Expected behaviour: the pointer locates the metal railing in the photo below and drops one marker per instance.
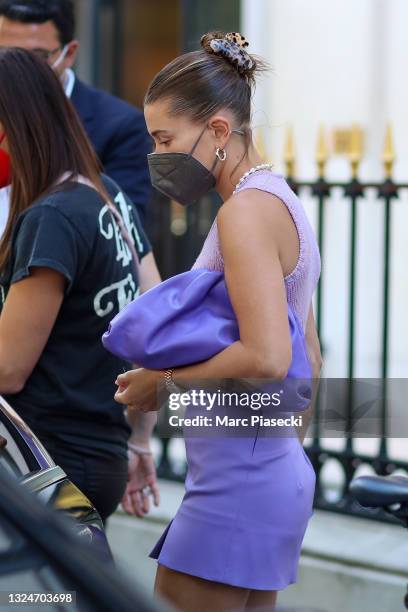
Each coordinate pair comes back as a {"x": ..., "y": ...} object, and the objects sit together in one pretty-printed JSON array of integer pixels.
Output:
[
  {"x": 387, "y": 191},
  {"x": 178, "y": 235}
]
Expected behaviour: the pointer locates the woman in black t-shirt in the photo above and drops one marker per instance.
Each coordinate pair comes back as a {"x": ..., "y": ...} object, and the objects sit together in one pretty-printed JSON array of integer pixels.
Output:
[{"x": 67, "y": 268}]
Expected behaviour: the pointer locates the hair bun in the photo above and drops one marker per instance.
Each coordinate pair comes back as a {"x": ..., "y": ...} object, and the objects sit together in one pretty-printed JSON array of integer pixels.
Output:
[{"x": 232, "y": 48}]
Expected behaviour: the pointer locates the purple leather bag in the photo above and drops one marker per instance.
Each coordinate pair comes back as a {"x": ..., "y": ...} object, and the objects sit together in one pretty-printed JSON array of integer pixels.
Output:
[{"x": 186, "y": 319}]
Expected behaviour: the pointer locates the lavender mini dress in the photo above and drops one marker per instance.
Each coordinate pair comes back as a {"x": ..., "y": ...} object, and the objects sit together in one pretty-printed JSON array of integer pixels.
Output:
[{"x": 248, "y": 500}]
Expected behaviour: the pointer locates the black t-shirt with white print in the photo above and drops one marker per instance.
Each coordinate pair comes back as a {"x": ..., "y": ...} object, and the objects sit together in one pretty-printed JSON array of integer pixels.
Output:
[{"x": 69, "y": 395}]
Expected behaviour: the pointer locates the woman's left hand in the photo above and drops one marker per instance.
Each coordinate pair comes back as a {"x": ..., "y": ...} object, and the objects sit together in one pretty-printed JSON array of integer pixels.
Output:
[{"x": 138, "y": 389}]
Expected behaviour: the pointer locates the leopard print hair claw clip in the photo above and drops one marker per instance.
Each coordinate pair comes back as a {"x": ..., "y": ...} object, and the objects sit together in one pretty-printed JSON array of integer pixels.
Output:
[{"x": 232, "y": 48}]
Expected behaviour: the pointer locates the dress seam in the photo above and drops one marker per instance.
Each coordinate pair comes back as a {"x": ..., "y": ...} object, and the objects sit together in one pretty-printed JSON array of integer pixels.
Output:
[{"x": 228, "y": 556}]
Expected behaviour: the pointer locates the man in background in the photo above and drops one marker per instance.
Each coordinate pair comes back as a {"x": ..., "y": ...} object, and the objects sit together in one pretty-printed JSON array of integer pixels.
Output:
[{"x": 116, "y": 129}]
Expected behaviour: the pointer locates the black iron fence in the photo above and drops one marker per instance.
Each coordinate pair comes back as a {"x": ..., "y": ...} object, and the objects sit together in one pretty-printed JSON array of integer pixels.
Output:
[{"x": 178, "y": 234}]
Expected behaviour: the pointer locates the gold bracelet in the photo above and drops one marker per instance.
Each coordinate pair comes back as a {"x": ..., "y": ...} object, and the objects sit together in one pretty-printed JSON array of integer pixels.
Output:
[{"x": 169, "y": 382}]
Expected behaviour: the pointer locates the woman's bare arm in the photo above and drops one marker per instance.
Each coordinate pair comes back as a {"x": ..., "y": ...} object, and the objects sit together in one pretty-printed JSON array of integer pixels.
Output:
[
  {"x": 249, "y": 231},
  {"x": 149, "y": 275},
  {"x": 26, "y": 321},
  {"x": 247, "y": 228}
]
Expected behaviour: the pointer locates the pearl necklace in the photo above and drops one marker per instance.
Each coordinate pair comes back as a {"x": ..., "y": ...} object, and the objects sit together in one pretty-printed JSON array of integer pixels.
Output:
[{"x": 251, "y": 171}]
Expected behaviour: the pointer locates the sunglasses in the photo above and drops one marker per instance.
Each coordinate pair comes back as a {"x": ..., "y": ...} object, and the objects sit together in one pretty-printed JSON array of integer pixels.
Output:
[{"x": 44, "y": 54}]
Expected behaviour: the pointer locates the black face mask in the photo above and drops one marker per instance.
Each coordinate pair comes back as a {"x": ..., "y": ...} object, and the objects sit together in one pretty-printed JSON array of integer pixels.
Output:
[{"x": 180, "y": 176}]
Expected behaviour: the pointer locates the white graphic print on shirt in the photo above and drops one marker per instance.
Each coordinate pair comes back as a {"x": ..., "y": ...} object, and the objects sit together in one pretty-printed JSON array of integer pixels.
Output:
[{"x": 123, "y": 291}]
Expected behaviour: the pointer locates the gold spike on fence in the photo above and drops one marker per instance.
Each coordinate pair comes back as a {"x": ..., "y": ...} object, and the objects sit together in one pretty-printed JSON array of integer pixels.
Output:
[
  {"x": 388, "y": 152},
  {"x": 289, "y": 152},
  {"x": 346, "y": 142},
  {"x": 322, "y": 152},
  {"x": 356, "y": 149}
]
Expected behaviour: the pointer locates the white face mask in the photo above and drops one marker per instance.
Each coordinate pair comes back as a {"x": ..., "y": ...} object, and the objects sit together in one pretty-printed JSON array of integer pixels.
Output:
[{"x": 60, "y": 58}]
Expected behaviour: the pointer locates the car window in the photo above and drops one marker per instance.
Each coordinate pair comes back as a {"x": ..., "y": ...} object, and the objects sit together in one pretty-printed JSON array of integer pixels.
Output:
[{"x": 11, "y": 457}]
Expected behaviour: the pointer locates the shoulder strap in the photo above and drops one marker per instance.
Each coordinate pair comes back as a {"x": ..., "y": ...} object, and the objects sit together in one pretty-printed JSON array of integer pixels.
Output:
[{"x": 126, "y": 236}]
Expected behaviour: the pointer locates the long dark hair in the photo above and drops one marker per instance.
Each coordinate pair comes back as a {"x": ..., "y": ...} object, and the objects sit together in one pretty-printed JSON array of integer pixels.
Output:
[{"x": 44, "y": 135}]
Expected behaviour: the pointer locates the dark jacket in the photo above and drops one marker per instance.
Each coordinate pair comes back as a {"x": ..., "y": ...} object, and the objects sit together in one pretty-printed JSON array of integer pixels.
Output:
[{"x": 118, "y": 133}]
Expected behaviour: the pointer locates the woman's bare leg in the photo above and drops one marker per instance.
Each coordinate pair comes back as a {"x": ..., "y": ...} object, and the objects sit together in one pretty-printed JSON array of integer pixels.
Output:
[
  {"x": 188, "y": 593},
  {"x": 261, "y": 601}
]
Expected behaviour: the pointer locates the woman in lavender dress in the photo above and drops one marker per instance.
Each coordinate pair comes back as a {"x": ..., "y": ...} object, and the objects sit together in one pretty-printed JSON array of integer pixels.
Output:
[{"x": 236, "y": 538}]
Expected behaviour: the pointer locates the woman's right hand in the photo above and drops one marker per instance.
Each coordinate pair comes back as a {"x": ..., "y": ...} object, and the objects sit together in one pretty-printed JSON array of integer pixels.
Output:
[
  {"x": 137, "y": 389},
  {"x": 141, "y": 475}
]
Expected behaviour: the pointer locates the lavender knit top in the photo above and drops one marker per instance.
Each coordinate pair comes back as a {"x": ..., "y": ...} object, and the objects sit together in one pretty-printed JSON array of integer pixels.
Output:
[{"x": 301, "y": 282}]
